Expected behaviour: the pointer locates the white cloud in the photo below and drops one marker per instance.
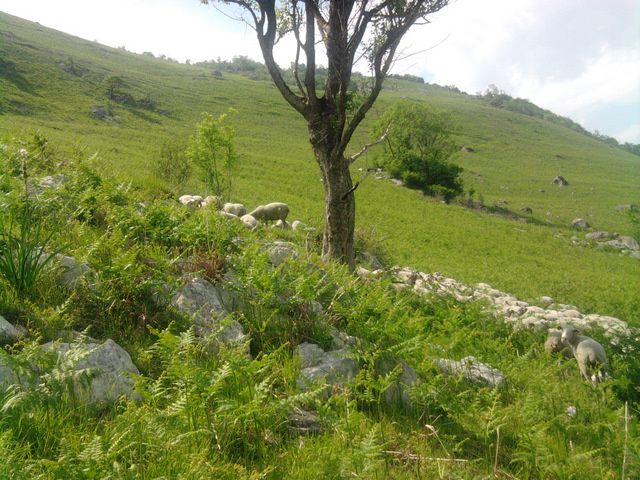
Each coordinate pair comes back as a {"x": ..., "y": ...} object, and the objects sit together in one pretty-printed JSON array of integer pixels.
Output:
[{"x": 630, "y": 134}]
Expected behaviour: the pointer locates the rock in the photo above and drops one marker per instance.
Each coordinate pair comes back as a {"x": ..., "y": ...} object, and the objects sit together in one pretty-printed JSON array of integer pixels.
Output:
[
  {"x": 623, "y": 243},
  {"x": 72, "y": 272},
  {"x": 8, "y": 376},
  {"x": 468, "y": 149},
  {"x": 369, "y": 260},
  {"x": 249, "y": 222},
  {"x": 281, "y": 251},
  {"x": 212, "y": 200},
  {"x": 627, "y": 207},
  {"x": 472, "y": 370},
  {"x": 547, "y": 301},
  {"x": 597, "y": 235},
  {"x": 528, "y": 210},
  {"x": 236, "y": 209},
  {"x": 635, "y": 254},
  {"x": 102, "y": 372},
  {"x": 560, "y": 181},
  {"x": 298, "y": 225},
  {"x": 397, "y": 181},
  {"x": 304, "y": 422},
  {"x": 100, "y": 112},
  {"x": 334, "y": 368},
  {"x": 191, "y": 201},
  {"x": 205, "y": 303},
  {"x": 341, "y": 340},
  {"x": 398, "y": 392},
  {"x": 8, "y": 333},
  {"x": 405, "y": 275},
  {"x": 579, "y": 223}
]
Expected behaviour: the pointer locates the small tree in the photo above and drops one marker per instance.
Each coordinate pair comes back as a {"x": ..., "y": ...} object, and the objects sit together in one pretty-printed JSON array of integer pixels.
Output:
[
  {"x": 417, "y": 149},
  {"x": 212, "y": 150},
  {"x": 344, "y": 32},
  {"x": 114, "y": 86}
]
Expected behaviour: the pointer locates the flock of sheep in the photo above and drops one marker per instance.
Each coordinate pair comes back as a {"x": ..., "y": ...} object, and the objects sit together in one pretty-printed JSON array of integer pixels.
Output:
[
  {"x": 590, "y": 355},
  {"x": 276, "y": 211}
]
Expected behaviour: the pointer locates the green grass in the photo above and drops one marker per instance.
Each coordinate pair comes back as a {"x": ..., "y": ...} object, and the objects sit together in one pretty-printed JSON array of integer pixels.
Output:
[{"x": 517, "y": 157}]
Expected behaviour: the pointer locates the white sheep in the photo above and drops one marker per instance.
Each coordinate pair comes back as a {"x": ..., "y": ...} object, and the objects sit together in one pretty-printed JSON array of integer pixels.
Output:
[
  {"x": 588, "y": 353},
  {"x": 554, "y": 344},
  {"x": 271, "y": 211},
  {"x": 249, "y": 221},
  {"x": 191, "y": 201},
  {"x": 236, "y": 209},
  {"x": 212, "y": 200}
]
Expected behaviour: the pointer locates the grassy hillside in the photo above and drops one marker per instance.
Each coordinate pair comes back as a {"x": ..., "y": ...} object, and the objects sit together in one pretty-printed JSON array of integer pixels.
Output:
[{"x": 515, "y": 161}]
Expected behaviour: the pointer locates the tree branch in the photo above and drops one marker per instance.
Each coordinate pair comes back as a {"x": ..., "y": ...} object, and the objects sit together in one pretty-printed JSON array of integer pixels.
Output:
[{"x": 366, "y": 148}]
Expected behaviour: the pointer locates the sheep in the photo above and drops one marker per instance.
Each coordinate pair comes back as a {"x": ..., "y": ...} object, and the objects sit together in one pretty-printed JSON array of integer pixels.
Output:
[
  {"x": 588, "y": 353},
  {"x": 212, "y": 200},
  {"x": 554, "y": 344},
  {"x": 271, "y": 211},
  {"x": 298, "y": 225},
  {"x": 236, "y": 209},
  {"x": 249, "y": 221},
  {"x": 191, "y": 201}
]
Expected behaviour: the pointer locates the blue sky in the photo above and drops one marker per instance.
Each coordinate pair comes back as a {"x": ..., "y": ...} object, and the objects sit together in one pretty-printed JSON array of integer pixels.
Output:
[{"x": 578, "y": 58}]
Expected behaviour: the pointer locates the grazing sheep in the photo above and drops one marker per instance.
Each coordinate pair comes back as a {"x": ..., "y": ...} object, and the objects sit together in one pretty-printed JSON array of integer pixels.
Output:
[
  {"x": 587, "y": 352},
  {"x": 212, "y": 200},
  {"x": 554, "y": 344},
  {"x": 271, "y": 211},
  {"x": 191, "y": 201},
  {"x": 249, "y": 221},
  {"x": 236, "y": 209}
]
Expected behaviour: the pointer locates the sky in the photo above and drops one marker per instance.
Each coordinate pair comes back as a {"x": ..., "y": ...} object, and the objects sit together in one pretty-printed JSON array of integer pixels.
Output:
[{"x": 577, "y": 58}]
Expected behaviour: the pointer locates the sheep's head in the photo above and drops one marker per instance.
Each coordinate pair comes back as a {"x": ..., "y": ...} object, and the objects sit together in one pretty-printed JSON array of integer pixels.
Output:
[{"x": 569, "y": 333}]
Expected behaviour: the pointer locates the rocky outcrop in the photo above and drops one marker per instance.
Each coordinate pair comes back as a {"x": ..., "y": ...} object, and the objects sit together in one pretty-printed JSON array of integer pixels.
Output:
[
  {"x": 209, "y": 305},
  {"x": 336, "y": 367},
  {"x": 560, "y": 181},
  {"x": 100, "y": 372},
  {"x": 9, "y": 334},
  {"x": 473, "y": 370}
]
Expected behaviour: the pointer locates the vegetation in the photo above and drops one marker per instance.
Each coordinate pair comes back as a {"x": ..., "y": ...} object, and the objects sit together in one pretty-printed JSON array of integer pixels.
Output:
[
  {"x": 212, "y": 150},
  {"x": 417, "y": 149}
]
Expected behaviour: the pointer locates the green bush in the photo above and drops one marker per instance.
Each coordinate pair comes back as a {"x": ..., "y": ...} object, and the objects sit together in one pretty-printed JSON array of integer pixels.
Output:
[{"x": 417, "y": 149}]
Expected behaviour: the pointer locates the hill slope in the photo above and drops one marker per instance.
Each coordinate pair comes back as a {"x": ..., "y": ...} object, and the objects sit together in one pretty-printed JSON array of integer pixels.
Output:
[{"x": 515, "y": 160}]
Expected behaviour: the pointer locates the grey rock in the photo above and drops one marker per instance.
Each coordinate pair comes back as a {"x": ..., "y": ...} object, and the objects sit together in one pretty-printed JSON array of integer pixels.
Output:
[
  {"x": 528, "y": 210},
  {"x": 341, "y": 340},
  {"x": 623, "y": 208},
  {"x": 280, "y": 251},
  {"x": 560, "y": 181},
  {"x": 101, "y": 372},
  {"x": 205, "y": 303},
  {"x": 304, "y": 422},
  {"x": 623, "y": 243},
  {"x": 212, "y": 200},
  {"x": 72, "y": 272},
  {"x": 298, "y": 225},
  {"x": 370, "y": 260},
  {"x": 546, "y": 301},
  {"x": 398, "y": 392},
  {"x": 405, "y": 275},
  {"x": 397, "y": 181},
  {"x": 635, "y": 254},
  {"x": 580, "y": 223},
  {"x": 334, "y": 368},
  {"x": 473, "y": 370},
  {"x": 600, "y": 235},
  {"x": 8, "y": 333}
]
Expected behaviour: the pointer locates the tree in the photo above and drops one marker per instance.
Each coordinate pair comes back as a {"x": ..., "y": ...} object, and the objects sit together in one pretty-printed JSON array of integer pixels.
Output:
[
  {"x": 114, "y": 86},
  {"x": 417, "y": 148},
  {"x": 212, "y": 150},
  {"x": 346, "y": 31}
]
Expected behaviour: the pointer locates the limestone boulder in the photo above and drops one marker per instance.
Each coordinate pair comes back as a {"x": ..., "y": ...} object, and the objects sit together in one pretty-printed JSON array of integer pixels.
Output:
[
  {"x": 473, "y": 370},
  {"x": 9, "y": 334},
  {"x": 336, "y": 367}
]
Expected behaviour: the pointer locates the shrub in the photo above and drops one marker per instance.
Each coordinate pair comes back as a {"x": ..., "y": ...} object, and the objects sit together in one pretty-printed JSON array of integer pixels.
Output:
[
  {"x": 418, "y": 147},
  {"x": 212, "y": 150},
  {"x": 173, "y": 164}
]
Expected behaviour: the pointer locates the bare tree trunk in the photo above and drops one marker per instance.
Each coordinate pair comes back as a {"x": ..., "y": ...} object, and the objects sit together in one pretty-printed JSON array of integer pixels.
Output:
[{"x": 339, "y": 211}]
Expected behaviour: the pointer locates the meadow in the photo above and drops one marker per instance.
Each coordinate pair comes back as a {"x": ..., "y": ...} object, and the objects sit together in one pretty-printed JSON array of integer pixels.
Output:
[{"x": 226, "y": 415}]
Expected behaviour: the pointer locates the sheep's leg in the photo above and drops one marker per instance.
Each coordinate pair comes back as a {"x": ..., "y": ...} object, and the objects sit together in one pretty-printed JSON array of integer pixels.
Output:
[{"x": 583, "y": 371}]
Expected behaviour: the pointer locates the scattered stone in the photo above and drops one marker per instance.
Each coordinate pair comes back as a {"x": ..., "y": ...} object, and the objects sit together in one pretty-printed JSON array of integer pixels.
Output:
[
  {"x": 528, "y": 210},
  {"x": 206, "y": 303},
  {"x": 100, "y": 112},
  {"x": 304, "y": 422},
  {"x": 473, "y": 370},
  {"x": 334, "y": 368},
  {"x": 468, "y": 149},
  {"x": 9, "y": 334},
  {"x": 547, "y": 301},
  {"x": 102, "y": 372},
  {"x": 579, "y": 223},
  {"x": 560, "y": 181},
  {"x": 398, "y": 392},
  {"x": 280, "y": 251},
  {"x": 623, "y": 243},
  {"x": 72, "y": 272},
  {"x": 627, "y": 207},
  {"x": 600, "y": 235},
  {"x": 397, "y": 181},
  {"x": 7, "y": 376}
]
